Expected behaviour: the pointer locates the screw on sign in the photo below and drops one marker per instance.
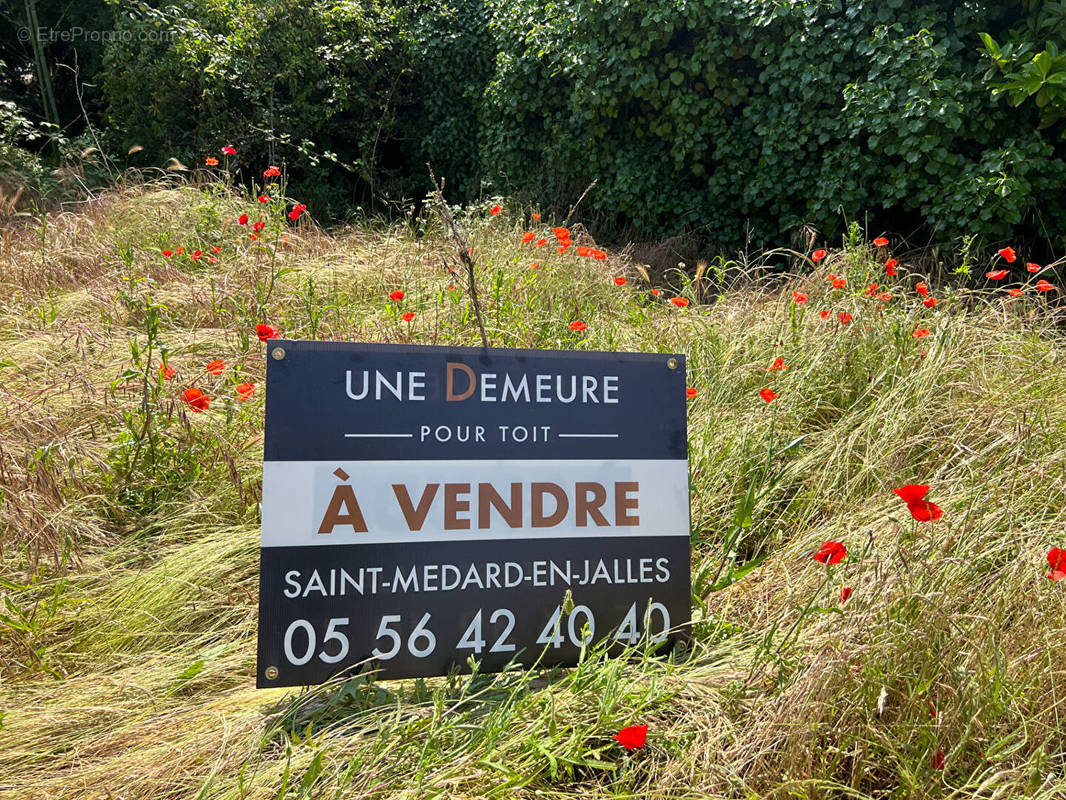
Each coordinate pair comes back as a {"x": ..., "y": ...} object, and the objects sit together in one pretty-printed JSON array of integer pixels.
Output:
[{"x": 426, "y": 505}]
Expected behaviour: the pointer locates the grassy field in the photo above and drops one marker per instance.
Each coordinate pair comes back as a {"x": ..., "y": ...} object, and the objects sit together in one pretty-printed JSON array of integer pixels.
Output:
[{"x": 130, "y": 530}]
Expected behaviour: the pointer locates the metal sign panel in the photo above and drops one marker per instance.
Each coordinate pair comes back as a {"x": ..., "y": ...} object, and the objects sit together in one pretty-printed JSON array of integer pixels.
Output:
[{"x": 422, "y": 505}]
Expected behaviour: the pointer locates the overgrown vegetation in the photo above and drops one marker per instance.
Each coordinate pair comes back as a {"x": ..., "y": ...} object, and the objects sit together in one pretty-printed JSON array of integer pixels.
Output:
[
  {"x": 130, "y": 532},
  {"x": 732, "y": 121}
]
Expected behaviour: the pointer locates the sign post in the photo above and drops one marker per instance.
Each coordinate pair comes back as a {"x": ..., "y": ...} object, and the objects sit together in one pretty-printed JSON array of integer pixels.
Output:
[{"x": 422, "y": 505}]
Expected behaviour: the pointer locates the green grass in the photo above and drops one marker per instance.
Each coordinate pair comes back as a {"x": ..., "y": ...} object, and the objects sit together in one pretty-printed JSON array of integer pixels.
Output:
[{"x": 130, "y": 533}]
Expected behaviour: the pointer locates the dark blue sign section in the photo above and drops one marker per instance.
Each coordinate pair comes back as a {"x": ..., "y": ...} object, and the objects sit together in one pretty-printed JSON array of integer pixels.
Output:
[
  {"x": 329, "y": 610},
  {"x": 346, "y": 401}
]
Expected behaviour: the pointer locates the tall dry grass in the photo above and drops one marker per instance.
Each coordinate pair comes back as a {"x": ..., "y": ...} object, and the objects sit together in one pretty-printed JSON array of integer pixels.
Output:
[{"x": 127, "y": 633}]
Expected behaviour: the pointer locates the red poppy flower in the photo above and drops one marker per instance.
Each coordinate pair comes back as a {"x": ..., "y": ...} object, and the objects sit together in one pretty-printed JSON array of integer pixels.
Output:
[
  {"x": 216, "y": 367},
  {"x": 620, "y": 281},
  {"x": 535, "y": 217},
  {"x": 244, "y": 391},
  {"x": 871, "y": 289},
  {"x": 254, "y": 236},
  {"x": 937, "y": 758},
  {"x": 690, "y": 392},
  {"x": 195, "y": 255},
  {"x": 831, "y": 553},
  {"x": 167, "y": 254},
  {"x": 534, "y": 265},
  {"x": 997, "y": 274},
  {"x": 180, "y": 250},
  {"x": 212, "y": 260},
  {"x": 1008, "y": 254},
  {"x": 922, "y": 288},
  {"x": 1015, "y": 292},
  {"x": 452, "y": 287},
  {"x": 271, "y": 172},
  {"x": 824, "y": 313},
  {"x": 845, "y": 318},
  {"x": 495, "y": 210},
  {"x": 258, "y": 226},
  {"x": 845, "y": 593},
  {"x": 1032, "y": 267},
  {"x": 880, "y": 241},
  {"x": 582, "y": 250},
  {"x": 578, "y": 325},
  {"x": 633, "y": 737},
  {"x": 397, "y": 295},
  {"x": 528, "y": 237},
  {"x": 263, "y": 198},
  {"x": 920, "y": 333},
  {"x": 890, "y": 267},
  {"x": 265, "y": 332},
  {"x": 167, "y": 371},
  {"x": 1056, "y": 559},
  {"x": 1044, "y": 286},
  {"x": 779, "y": 363},
  {"x": 561, "y": 233},
  {"x": 211, "y": 161},
  {"x": 410, "y": 315},
  {"x": 656, "y": 292},
  {"x": 913, "y": 495},
  {"x": 799, "y": 298},
  {"x": 680, "y": 302},
  {"x": 884, "y": 297},
  {"x": 216, "y": 249},
  {"x": 768, "y": 394},
  {"x": 932, "y": 709},
  {"x": 840, "y": 283},
  {"x": 196, "y": 400},
  {"x": 561, "y": 249},
  {"x": 228, "y": 150},
  {"x": 599, "y": 255},
  {"x": 242, "y": 219},
  {"x": 832, "y": 276},
  {"x": 297, "y": 210},
  {"x": 818, "y": 255},
  {"x": 930, "y": 302},
  {"x": 540, "y": 242}
]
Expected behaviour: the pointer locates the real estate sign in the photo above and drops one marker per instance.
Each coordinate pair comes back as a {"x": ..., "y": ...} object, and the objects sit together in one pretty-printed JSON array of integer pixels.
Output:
[{"x": 422, "y": 505}]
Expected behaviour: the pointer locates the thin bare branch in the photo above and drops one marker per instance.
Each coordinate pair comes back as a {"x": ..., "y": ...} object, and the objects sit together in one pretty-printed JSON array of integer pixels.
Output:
[{"x": 465, "y": 257}]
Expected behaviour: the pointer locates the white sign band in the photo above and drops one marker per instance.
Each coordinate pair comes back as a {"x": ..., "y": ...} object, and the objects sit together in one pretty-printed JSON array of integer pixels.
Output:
[{"x": 308, "y": 503}]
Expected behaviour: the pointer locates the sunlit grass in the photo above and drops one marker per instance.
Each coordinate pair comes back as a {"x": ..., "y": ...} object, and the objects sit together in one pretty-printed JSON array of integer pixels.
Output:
[{"x": 127, "y": 641}]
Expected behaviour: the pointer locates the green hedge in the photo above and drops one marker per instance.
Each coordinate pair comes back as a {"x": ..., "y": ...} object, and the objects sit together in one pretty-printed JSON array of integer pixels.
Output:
[
  {"x": 751, "y": 117},
  {"x": 317, "y": 86},
  {"x": 738, "y": 120}
]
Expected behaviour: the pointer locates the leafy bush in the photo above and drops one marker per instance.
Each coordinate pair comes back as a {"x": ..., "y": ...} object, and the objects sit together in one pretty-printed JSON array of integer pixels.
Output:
[
  {"x": 453, "y": 56},
  {"x": 29, "y": 154},
  {"x": 16, "y": 162},
  {"x": 742, "y": 117},
  {"x": 736, "y": 120},
  {"x": 1022, "y": 70},
  {"x": 326, "y": 81}
]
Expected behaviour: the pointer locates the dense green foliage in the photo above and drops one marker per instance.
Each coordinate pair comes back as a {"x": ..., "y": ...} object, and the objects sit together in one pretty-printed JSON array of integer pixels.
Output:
[
  {"x": 736, "y": 120},
  {"x": 1029, "y": 63},
  {"x": 720, "y": 114},
  {"x": 455, "y": 56},
  {"x": 325, "y": 81}
]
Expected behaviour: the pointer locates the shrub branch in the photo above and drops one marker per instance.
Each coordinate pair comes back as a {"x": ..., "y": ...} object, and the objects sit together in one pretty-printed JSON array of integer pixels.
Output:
[{"x": 465, "y": 257}]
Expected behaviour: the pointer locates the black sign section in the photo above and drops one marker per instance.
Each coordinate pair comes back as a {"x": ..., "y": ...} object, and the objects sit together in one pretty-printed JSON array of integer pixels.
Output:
[
  {"x": 330, "y": 400},
  {"x": 419, "y": 613}
]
